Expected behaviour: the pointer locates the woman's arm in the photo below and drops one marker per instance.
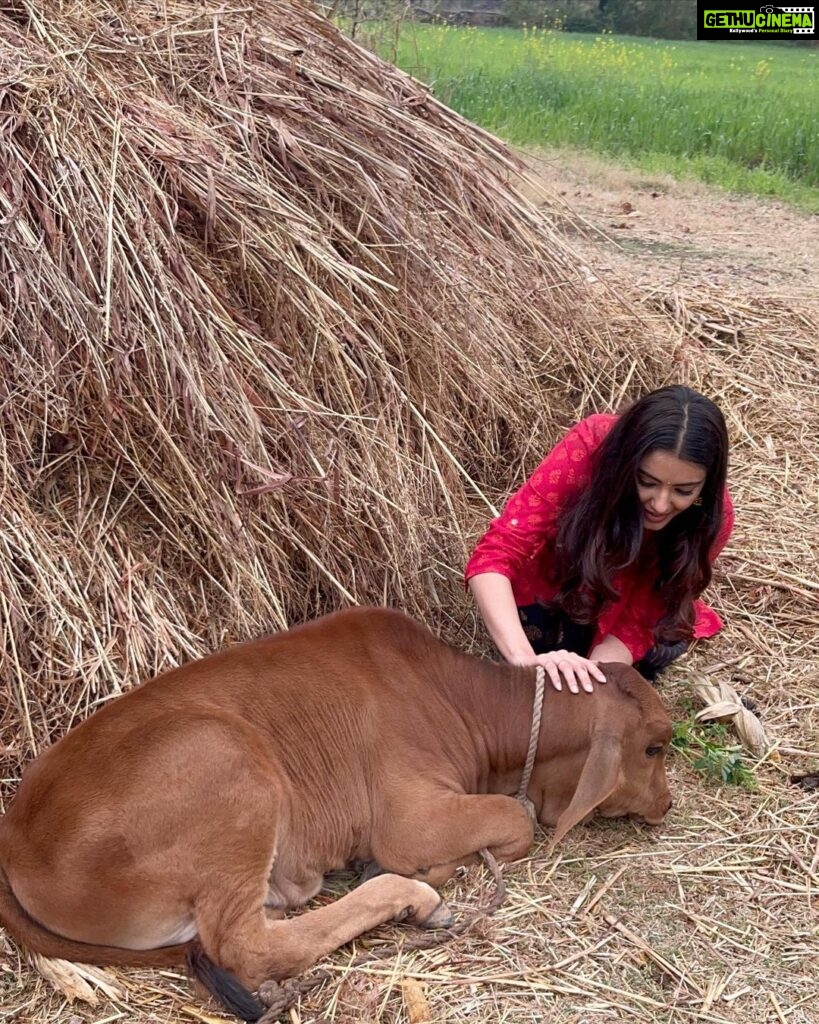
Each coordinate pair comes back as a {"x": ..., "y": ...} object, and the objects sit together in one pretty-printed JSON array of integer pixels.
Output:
[
  {"x": 527, "y": 522},
  {"x": 496, "y": 603},
  {"x": 609, "y": 648},
  {"x": 530, "y": 515}
]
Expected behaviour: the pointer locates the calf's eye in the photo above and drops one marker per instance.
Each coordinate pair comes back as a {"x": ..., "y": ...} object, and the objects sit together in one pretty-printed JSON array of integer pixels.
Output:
[{"x": 653, "y": 751}]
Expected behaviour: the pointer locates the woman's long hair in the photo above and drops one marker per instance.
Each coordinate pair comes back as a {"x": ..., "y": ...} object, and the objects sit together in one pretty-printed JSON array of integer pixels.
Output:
[{"x": 601, "y": 532}]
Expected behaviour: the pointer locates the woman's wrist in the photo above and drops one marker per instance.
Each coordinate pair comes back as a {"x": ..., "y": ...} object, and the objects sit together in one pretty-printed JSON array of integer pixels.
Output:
[{"x": 520, "y": 656}]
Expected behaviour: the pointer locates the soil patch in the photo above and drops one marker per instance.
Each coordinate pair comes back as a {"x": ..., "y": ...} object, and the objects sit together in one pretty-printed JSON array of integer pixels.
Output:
[{"x": 666, "y": 230}]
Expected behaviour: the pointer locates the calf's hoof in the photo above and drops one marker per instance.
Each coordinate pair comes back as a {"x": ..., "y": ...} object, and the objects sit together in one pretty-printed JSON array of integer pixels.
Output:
[{"x": 441, "y": 917}]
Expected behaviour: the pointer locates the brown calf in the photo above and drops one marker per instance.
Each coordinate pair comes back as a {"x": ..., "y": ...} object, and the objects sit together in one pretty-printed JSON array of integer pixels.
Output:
[{"x": 193, "y": 811}]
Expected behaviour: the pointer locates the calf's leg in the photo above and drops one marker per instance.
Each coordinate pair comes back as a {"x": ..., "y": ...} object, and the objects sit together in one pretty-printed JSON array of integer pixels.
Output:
[
  {"x": 254, "y": 948},
  {"x": 234, "y": 867},
  {"x": 434, "y": 833}
]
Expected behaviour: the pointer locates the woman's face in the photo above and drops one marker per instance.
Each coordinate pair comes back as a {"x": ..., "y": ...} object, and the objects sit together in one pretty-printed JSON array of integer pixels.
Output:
[{"x": 666, "y": 486}]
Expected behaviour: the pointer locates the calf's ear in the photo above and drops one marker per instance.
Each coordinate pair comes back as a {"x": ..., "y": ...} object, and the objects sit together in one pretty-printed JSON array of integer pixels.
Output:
[{"x": 599, "y": 779}]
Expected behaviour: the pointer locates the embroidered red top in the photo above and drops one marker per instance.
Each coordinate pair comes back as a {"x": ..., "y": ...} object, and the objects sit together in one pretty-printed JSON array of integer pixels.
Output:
[{"x": 515, "y": 543}]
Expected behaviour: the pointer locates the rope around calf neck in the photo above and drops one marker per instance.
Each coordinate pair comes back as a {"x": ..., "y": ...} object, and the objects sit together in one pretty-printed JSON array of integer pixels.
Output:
[
  {"x": 279, "y": 997},
  {"x": 537, "y": 711}
]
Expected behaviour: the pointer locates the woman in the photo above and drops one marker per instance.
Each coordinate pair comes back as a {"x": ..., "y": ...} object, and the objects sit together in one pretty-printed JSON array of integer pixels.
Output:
[{"x": 602, "y": 553}]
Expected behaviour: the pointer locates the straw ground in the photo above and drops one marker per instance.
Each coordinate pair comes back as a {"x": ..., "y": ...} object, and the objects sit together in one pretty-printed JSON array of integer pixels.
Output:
[{"x": 278, "y": 331}]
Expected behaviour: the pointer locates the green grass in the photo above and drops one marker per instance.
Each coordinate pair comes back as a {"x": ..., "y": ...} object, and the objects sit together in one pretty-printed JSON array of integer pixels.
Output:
[
  {"x": 709, "y": 750},
  {"x": 741, "y": 115}
]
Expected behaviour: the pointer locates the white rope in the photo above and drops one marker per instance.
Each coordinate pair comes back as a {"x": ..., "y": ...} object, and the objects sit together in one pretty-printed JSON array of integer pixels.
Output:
[{"x": 537, "y": 711}]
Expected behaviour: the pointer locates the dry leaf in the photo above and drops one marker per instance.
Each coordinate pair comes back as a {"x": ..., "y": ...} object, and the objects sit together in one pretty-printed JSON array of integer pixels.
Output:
[
  {"x": 66, "y": 979},
  {"x": 415, "y": 1001},
  {"x": 719, "y": 710},
  {"x": 78, "y": 981}
]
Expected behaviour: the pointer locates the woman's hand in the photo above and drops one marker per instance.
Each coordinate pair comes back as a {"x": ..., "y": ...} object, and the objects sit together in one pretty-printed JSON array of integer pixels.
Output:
[{"x": 576, "y": 671}]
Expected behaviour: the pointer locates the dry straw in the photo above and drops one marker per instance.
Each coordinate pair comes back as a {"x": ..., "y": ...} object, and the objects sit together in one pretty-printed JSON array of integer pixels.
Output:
[{"x": 277, "y": 333}]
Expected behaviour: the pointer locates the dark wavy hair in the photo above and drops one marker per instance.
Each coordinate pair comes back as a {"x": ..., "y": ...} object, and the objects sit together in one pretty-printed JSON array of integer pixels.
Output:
[{"x": 600, "y": 532}]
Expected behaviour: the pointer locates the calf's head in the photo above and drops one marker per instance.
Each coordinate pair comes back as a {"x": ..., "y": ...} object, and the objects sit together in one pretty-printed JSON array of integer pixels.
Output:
[{"x": 618, "y": 770}]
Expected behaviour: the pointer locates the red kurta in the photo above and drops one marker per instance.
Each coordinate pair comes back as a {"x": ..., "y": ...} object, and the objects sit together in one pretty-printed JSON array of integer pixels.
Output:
[{"x": 517, "y": 544}]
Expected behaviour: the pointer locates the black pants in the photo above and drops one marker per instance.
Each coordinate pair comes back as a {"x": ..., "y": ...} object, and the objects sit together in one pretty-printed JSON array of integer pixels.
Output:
[{"x": 553, "y": 631}]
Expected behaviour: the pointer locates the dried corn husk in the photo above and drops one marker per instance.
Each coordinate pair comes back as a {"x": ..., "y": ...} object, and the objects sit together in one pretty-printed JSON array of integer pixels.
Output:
[{"x": 722, "y": 704}]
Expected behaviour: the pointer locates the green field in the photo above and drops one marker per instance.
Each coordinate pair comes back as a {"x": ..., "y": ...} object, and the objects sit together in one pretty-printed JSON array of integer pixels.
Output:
[{"x": 739, "y": 115}]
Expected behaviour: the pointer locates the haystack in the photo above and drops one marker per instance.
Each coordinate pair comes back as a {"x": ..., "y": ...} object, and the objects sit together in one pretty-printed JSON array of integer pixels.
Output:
[
  {"x": 273, "y": 322},
  {"x": 278, "y": 331}
]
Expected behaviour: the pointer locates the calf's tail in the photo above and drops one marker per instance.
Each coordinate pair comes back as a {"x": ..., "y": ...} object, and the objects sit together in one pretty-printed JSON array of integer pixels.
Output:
[
  {"x": 31, "y": 935},
  {"x": 223, "y": 986}
]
